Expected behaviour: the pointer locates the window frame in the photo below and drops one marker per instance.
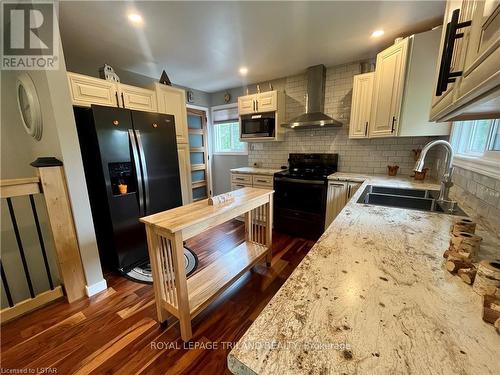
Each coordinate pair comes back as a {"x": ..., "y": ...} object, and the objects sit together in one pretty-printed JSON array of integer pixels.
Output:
[
  {"x": 214, "y": 133},
  {"x": 486, "y": 162}
]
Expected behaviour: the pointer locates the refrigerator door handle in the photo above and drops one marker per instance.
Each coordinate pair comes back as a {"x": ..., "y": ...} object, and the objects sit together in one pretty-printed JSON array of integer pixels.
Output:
[
  {"x": 135, "y": 156},
  {"x": 144, "y": 170}
]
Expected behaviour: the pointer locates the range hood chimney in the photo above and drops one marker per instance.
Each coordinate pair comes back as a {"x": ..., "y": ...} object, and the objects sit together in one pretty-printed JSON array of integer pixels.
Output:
[{"x": 315, "y": 103}]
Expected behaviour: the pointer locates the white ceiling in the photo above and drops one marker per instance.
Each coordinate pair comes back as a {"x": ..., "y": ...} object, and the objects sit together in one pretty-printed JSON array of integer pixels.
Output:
[{"x": 202, "y": 44}]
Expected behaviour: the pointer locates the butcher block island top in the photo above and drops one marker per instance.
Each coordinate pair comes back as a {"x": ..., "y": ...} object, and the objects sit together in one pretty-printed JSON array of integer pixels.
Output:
[
  {"x": 166, "y": 231},
  {"x": 186, "y": 216},
  {"x": 372, "y": 297}
]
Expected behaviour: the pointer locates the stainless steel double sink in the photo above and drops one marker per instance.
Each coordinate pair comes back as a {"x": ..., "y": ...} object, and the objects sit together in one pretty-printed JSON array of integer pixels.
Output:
[{"x": 413, "y": 199}]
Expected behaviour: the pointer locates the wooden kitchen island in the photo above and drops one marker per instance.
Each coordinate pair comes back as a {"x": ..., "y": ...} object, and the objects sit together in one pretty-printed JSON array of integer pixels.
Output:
[{"x": 166, "y": 231}]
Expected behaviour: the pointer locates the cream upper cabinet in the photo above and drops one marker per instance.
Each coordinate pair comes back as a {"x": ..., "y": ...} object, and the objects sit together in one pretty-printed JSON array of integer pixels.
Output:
[
  {"x": 87, "y": 90},
  {"x": 402, "y": 83},
  {"x": 467, "y": 78},
  {"x": 361, "y": 104},
  {"x": 388, "y": 90},
  {"x": 246, "y": 104},
  {"x": 185, "y": 172},
  {"x": 256, "y": 103},
  {"x": 172, "y": 100},
  {"x": 137, "y": 98},
  {"x": 267, "y": 101},
  {"x": 481, "y": 72}
]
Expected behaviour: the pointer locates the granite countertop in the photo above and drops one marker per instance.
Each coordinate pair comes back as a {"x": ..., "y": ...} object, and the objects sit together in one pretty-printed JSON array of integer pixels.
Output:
[
  {"x": 399, "y": 180},
  {"x": 372, "y": 297},
  {"x": 255, "y": 170}
]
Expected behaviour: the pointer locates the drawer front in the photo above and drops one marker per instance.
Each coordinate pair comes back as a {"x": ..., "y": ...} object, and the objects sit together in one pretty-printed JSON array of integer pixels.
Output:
[
  {"x": 265, "y": 181},
  {"x": 236, "y": 186},
  {"x": 241, "y": 179}
]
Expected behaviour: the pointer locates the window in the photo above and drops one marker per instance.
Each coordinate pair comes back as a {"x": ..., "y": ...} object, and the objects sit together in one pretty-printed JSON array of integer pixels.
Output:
[
  {"x": 227, "y": 139},
  {"x": 226, "y": 131},
  {"x": 477, "y": 146}
]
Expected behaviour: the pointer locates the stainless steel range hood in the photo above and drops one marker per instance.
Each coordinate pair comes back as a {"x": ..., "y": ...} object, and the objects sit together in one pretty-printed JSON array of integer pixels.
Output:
[{"x": 315, "y": 103}]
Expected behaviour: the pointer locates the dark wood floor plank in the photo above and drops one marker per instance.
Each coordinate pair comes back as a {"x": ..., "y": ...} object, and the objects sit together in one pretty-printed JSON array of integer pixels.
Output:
[{"x": 115, "y": 332}]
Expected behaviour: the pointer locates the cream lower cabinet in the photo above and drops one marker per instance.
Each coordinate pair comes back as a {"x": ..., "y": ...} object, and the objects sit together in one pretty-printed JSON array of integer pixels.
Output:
[
  {"x": 185, "y": 172},
  {"x": 338, "y": 194},
  {"x": 241, "y": 180}
]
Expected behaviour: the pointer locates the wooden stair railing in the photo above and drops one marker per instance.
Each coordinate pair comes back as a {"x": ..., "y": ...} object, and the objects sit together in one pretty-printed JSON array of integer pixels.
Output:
[{"x": 52, "y": 184}]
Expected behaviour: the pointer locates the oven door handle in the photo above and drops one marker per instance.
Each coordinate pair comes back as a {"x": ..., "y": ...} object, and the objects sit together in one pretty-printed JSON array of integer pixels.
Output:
[{"x": 299, "y": 181}]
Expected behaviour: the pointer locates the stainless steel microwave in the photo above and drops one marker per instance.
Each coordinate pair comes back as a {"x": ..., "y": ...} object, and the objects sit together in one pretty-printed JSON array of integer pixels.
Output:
[{"x": 258, "y": 125}]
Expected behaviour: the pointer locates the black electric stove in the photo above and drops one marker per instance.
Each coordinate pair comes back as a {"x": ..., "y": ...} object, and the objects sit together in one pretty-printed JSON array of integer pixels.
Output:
[{"x": 300, "y": 194}]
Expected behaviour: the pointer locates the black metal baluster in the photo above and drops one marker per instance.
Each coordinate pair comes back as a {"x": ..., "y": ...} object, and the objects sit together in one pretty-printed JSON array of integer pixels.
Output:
[
  {"x": 40, "y": 239},
  {"x": 6, "y": 285},
  {"x": 20, "y": 246}
]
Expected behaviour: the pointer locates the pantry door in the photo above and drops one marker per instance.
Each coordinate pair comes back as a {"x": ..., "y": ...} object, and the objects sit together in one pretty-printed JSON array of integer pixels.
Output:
[{"x": 198, "y": 149}]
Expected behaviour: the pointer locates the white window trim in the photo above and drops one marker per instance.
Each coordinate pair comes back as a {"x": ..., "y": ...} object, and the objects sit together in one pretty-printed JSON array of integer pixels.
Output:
[
  {"x": 487, "y": 164},
  {"x": 231, "y": 153}
]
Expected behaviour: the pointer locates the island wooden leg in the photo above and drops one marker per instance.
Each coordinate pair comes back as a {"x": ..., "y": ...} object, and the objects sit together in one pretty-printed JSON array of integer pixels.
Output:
[
  {"x": 181, "y": 286},
  {"x": 248, "y": 226},
  {"x": 154, "y": 258},
  {"x": 269, "y": 231}
]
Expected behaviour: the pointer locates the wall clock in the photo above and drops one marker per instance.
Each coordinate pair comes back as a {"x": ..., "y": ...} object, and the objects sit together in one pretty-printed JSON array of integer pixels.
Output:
[{"x": 29, "y": 106}]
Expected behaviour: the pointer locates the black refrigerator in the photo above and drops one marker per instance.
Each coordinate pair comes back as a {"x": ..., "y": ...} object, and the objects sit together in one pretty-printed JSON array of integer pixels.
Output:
[{"x": 132, "y": 170}]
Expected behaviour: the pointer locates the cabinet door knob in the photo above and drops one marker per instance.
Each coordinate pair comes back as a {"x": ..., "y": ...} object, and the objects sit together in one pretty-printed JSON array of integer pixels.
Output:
[
  {"x": 116, "y": 122},
  {"x": 155, "y": 125}
]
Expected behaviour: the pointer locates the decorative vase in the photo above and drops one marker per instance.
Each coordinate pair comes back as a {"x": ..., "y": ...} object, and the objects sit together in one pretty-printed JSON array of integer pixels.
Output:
[
  {"x": 416, "y": 153},
  {"x": 420, "y": 176},
  {"x": 392, "y": 170}
]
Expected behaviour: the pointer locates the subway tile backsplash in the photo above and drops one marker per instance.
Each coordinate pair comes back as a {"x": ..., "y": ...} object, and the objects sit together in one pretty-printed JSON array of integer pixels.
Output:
[{"x": 355, "y": 155}]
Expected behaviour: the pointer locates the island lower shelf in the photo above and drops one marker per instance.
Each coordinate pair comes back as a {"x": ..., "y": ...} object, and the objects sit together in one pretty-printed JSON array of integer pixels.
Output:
[{"x": 212, "y": 280}]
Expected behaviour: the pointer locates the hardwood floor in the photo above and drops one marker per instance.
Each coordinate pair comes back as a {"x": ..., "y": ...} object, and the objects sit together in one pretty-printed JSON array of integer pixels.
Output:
[{"x": 116, "y": 331}]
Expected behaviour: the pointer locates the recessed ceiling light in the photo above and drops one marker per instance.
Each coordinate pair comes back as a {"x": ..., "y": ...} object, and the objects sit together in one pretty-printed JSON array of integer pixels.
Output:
[
  {"x": 377, "y": 33},
  {"x": 243, "y": 70},
  {"x": 135, "y": 18}
]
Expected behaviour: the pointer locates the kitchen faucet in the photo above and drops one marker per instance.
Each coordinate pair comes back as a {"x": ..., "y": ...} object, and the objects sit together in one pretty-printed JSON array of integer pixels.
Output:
[{"x": 446, "y": 183}]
